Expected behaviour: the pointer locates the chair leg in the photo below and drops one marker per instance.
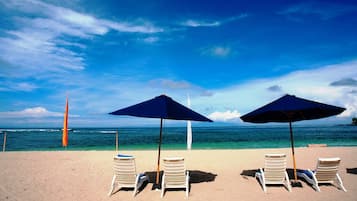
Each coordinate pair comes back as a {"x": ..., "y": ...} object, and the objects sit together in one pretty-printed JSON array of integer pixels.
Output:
[
  {"x": 187, "y": 188},
  {"x": 187, "y": 183},
  {"x": 261, "y": 180},
  {"x": 288, "y": 186},
  {"x": 264, "y": 187},
  {"x": 316, "y": 187},
  {"x": 112, "y": 186},
  {"x": 137, "y": 183},
  {"x": 315, "y": 184},
  {"x": 135, "y": 189},
  {"x": 162, "y": 191},
  {"x": 340, "y": 184}
]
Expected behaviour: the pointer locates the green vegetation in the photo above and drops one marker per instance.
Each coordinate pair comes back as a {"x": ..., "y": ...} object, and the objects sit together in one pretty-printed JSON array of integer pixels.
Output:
[{"x": 354, "y": 121}]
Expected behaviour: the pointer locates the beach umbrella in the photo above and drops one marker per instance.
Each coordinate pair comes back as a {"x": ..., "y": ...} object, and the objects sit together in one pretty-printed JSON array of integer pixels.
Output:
[
  {"x": 290, "y": 109},
  {"x": 161, "y": 107}
]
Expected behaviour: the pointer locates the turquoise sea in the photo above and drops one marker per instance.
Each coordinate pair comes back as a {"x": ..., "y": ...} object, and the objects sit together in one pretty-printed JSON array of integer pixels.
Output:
[{"x": 232, "y": 137}]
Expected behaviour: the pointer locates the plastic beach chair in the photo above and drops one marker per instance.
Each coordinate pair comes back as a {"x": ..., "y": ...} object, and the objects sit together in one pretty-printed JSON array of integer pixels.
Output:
[
  {"x": 274, "y": 171},
  {"x": 125, "y": 174},
  {"x": 325, "y": 172},
  {"x": 175, "y": 175}
]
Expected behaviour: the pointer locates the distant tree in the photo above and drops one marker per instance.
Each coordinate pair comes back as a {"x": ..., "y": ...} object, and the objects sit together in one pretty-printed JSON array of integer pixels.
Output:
[{"x": 354, "y": 121}]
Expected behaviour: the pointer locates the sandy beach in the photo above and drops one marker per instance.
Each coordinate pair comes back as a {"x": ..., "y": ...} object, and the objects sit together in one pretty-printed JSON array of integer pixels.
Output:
[{"x": 215, "y": 175}]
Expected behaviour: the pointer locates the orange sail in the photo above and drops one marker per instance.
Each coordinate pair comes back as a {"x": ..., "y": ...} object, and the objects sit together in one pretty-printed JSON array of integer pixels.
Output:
[{"x": 65, "y": 126}]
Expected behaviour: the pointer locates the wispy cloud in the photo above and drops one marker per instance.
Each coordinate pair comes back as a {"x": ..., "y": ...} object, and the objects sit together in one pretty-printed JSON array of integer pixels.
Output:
[
  {"x": 196, "y": 23},
  {"x": 36, "y": 112},
  {"x": 217, "y": 51},
  {"x": 211, "y": 23},
  {"x": 323, "y": 10},
  {"x": 183, "y": 87},
  {"x": 171, "y": 84},
  {"x": 18, "y": 86},
  {"x": 151, "y": 39},
  {"x": 42, "y": 39}
]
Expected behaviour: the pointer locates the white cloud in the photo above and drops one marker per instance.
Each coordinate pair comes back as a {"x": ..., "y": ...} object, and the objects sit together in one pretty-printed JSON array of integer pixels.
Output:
[
  {"x": 34, "y": 112},
  {"x": 351, "y": 107},
  {"x": 225, "y": 116},
  {"x": 31, "y": 112},
  {"x": 42, "y": 40},
  {"x": 311, "y": 84},
  {"x": 224, "y": 104},
  {"x": 20, "y": 86},
  {"x": 151, "y": 39},
  {"x": 211, "y": 23},
  {"x": 221, "y": 51},
  {"x": 324, "y": 10},
  {"x": 217, "y": 51},
  {"x": 196, "y": 23},
  {"x": 145, "y": 27}
]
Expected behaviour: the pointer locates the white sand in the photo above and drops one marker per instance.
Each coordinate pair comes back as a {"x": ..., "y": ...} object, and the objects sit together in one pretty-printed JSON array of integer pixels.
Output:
[{"x": 87, "y": 175}]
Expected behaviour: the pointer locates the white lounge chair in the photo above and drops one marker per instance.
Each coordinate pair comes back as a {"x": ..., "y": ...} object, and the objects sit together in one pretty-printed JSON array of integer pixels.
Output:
[
  {"x": 274, "y": 171},
  {"x": 125, "y": 174},
  {"x": 326, "y": 172},
  {"x": 175, "y": 175}
]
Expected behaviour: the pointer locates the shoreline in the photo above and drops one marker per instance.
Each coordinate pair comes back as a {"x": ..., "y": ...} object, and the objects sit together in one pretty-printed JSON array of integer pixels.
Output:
[
  {"x": 86, "y": 175},
  {"x": 313, "y": 145}
]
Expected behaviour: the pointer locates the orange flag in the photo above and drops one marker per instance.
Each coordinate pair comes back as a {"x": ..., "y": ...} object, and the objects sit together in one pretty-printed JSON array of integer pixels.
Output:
[{"x": 65, "y": 126}]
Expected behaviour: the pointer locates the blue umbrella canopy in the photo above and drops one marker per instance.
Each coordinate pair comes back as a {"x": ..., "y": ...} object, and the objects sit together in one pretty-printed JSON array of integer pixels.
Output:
[
  {"x": 162, "y": 107},
  {"x": 290, "y": 109}
]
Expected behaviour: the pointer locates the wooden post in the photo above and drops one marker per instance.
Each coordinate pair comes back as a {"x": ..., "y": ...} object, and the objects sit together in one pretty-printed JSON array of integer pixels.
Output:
[
  {"x": 4, "y": 145},
  {"x": 116, "y": 141}
]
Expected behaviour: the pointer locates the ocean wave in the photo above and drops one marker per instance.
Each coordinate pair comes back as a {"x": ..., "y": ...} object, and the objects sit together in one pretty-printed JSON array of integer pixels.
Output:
[
  {"x": 30, "y": 130},
  {"x": 107, "y": 132},
  {"x": 94, "y": 131}
]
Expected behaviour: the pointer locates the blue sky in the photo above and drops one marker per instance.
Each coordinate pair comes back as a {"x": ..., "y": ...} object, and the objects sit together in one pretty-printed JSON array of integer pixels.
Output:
[{"x": 230, "y": 57}]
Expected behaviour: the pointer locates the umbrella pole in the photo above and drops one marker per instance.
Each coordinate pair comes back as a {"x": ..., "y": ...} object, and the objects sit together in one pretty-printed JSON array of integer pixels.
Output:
[
  {"x": 158, "y": 158},
  {"x": 292, "y": 149},
  {"x": 116, "y": 141}
]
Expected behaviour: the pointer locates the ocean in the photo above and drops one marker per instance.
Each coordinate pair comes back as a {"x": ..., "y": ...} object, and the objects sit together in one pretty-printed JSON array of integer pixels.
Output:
[{"x": 147, "y": 138}]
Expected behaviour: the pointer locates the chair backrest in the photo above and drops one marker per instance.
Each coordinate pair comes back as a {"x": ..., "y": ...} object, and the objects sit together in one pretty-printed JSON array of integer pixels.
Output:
[
  {"x": 327, "y": 168},
  {"x": 125, "y": 170},
  {"x": 175, "y": 171},
  {"x": 275, "y": 167}
]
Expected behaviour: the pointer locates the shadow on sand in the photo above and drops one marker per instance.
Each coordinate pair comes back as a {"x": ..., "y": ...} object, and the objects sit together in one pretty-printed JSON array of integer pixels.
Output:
[
  {"x": 351, "y": 170},
  {"x": 196, "y": 176},
  {"x": 251, "y": 173}
]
